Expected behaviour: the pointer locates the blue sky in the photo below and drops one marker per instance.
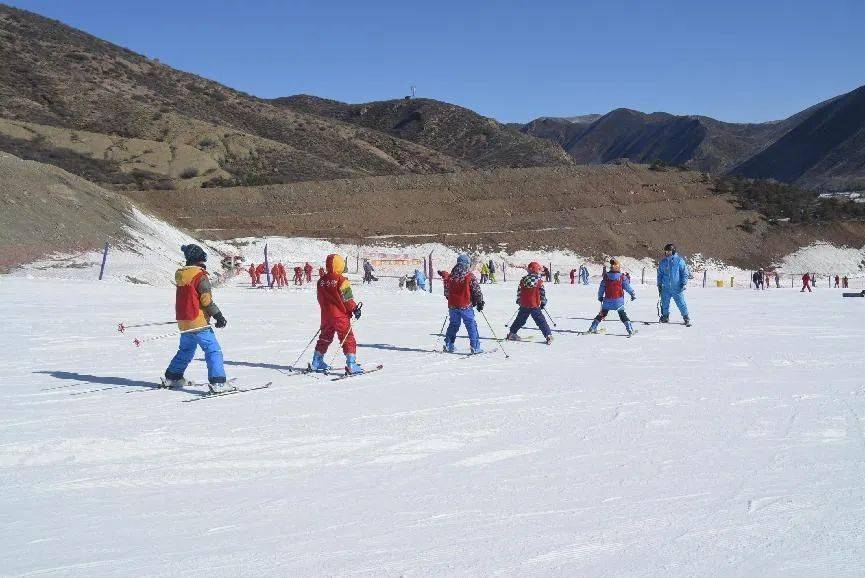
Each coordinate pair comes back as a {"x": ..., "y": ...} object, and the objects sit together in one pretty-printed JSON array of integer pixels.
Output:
[{"x": 511, "y": 60}]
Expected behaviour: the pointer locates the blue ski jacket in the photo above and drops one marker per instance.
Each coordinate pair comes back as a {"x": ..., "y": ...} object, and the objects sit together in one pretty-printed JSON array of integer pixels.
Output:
[{"x": 673, "y": 274}]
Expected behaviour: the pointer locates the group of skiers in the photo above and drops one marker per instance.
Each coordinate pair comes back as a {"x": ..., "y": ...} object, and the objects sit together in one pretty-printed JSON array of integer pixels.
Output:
[
  {"x": 488, "y": 272},
  {"x": 194, "y": 307},
  {"x": 279, "y": 276},
  {"x": 762, "y": 279},
  {"x": 583, "y": 275}
]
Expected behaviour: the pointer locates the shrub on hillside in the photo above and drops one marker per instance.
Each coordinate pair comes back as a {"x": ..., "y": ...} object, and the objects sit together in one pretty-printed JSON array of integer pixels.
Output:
[{"x": 189, "y": 173}]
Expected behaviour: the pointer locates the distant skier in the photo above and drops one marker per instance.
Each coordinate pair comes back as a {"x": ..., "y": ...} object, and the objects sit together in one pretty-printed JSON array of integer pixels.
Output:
[
  {"x": 368, "y": 271},
  {"x": 485, "y": 273},
  {"x": 194, "y": 307},
  {"x": 573, "y": 275},
  {"x": 611, "y": 294},
  {"x": 336, "y": 301},
  {"x": 252, "y": 273},
  {"x": 531, "y": 297},
  {"x": 274, "y": 275},
  {"x": 259, "y": 271},
  {"x": 837, "y": 281},
  {"x": 806, "y": 283},
  {"x": 584, "y": 274},
  {"x": 844, "y": 282},
  {"x": 628, "y": 277},
  {"x": 420, "y": 279},
  {"x": 673, "y": 275},
  {"x": 556, "y": 278},
  {"x": 548, "y": 276},
  {"x": 757, "y": 279},
  {"x": 307, "y": 269},
  {"x": 492, "y": 268},
  {"x": 777, "y": 280},
  {"x": 463, "y": 292},
  {"x": 298, "y": 275}
]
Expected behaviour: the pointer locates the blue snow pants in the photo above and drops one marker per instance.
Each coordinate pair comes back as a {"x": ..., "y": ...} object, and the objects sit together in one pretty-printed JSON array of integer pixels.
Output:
[
  {"x": 678, "y": 297},
  {"x": 466, "y": 316},
  {"x": 537, "y": 316},
  {"x": 205, "y": 339}
]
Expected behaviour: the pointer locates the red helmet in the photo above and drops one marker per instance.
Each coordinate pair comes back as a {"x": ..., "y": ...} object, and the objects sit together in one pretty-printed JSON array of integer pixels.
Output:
[{"x": 534, "y": 267}]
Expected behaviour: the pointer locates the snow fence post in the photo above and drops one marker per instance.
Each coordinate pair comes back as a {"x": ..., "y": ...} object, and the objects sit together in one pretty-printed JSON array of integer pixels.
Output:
[
  {"x": 431, "y": 275},
  {"x": 704, "y": 278},
  {"x": 504, "y": 272},
  {"x": 267, "y": 267},
  {"x": 104, "y": 259},
  {"x": 643, "y": 279}
]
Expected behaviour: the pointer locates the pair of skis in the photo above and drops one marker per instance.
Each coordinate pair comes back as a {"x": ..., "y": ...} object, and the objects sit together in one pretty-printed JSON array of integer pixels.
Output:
[{"x": 337, "y": 376}]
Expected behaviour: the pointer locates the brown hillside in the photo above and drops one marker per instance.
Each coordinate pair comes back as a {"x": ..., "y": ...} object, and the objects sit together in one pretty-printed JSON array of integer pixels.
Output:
[
  {"x": 620, "y": 209},
  {"x": 447, "y": 128}
]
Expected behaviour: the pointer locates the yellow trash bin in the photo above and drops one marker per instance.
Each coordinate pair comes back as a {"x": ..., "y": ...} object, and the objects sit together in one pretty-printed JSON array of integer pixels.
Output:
[{"x": 719, "y": 283}]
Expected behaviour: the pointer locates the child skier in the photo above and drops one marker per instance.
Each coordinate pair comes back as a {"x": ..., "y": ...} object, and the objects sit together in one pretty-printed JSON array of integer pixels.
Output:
[
  {"x": 337, "y": 306},
  {"x": 194, "y": 307},
  {"x": 531, "y": 298},
  {"x": 611, "y": 294},
  {"x": 463, "y": 292}
]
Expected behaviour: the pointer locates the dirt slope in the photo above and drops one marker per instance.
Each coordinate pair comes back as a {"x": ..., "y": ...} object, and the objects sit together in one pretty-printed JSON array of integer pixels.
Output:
[{"x": 623, "y": 209}]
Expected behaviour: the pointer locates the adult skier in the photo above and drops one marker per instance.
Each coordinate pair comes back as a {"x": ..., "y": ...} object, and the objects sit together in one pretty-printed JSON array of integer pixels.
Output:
[
  {"x": 298, "y": 275},
  {"x": 336, "y": 301},
  {"x": 420, "y": 279},
  {"x": 485, "y": 273},
  {"x": 531, "y": 297},
  {"x": 806, "y": 283},
  {"x": 307, "y": 269},
  {"x": 757, "y": 279},
  {"x": 573, "y": 275},
  {"x": 584, "y": 274},
  {"x": 368, "y": 270},
  {"x": 463, "y": 292},
  {"x": 194, "y": 307},
  {"x": 673, "y": 275},
  {"x": 611, "y": 294},
  {"x": 492, "y": 268}
]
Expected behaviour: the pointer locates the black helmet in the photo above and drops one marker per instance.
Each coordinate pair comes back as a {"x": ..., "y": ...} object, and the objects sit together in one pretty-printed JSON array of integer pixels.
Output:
[
  {"x": 193, "y": 253},
  {"x": 670, "y": 247}
]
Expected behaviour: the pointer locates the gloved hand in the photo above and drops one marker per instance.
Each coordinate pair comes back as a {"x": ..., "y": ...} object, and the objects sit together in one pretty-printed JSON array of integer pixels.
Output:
[
  {"x": 683, "y": 288},
  {"x": 633, "y": 297},
  {"x": 357, "y": 311},
  {"x": 543, "y": 304},
  {"x": 660, "y": 289},
  {"x": 220, "y": 320},
  {"x": 600, "y": 299},
  {"x": 480, "y": 306}
]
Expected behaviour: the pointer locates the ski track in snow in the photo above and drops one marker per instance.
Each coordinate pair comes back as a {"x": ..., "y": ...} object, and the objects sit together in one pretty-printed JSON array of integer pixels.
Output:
[{"x": 732, "y": 447}]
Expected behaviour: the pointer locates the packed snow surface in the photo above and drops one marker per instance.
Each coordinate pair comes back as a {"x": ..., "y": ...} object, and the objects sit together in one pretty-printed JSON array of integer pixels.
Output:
[{"x": 732, "y": 447}]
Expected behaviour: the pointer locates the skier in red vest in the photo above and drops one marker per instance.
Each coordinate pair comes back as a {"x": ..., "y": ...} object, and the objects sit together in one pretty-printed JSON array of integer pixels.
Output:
[
  {"x": 307, "y": 269},
  {"x": 252, "y": 273},
  {"x": 274, "y": 275},
  {"x": 611, "y": 294},
  {"x": 194, "y": 307},
  {"x": 337, "y": 305},
  {"x": 531, "y": 298},
  {"x": 806, "y": 283},
  {"x": 298, "y": 275},
  {"x": 573, "y": 276},
  {"x": 259, "y": 271},
  {"x": 463, "y": 292}
]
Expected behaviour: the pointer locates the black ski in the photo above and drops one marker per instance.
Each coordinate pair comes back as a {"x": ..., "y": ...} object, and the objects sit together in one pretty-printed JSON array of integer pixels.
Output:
[
  {"x": 229, "y": 392},
  {"x": 365, "y": 371}
]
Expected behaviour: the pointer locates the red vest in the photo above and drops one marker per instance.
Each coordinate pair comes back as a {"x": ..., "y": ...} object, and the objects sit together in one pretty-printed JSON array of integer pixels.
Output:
[
  {"x": 460, "y": 292},
  {"x": 613, "y": 287},
  {"x": 531, "y": 296},
  {"x": 330, "y": 297},
  {"x": 187, "y": 305}
]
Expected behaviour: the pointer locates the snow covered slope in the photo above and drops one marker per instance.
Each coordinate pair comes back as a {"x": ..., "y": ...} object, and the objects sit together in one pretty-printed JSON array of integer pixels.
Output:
[{"x": 734, "y": 447}]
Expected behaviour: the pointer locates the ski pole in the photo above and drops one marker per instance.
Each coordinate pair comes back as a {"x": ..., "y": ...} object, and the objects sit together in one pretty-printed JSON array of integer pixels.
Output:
[
  {"x": 514, "y": 316},
  {"x": 441, "y": 332},
  {"x": 121, "y": 327},
  {"x": 299, "y": 357},
  {"x": 138, "y": 342},
  {"x": 494, "y": 335},
  {"x": 544, "y": 309}
]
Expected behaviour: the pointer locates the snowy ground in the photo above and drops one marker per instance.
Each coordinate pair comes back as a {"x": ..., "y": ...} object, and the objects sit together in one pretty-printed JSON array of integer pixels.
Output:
[{"x": 732, "y": 447}]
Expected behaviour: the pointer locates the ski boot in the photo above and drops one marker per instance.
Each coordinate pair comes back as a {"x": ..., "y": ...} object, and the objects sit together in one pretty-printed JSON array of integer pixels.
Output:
[
  {"x": 513, "y": 337},
  {"x": 593, "y": 328},
  {"x": 477, "y": 350},
  {"x": 664, "y": 319},
  {"x": 448, "y": 347},
  {"x": 318, "y": 363},
  {"x": 687, "y": 320},
  {"x": 173, "y": 381},
  {"x": 549, "y": 339},
  {"x": 351, "y": 364},
  {"x": 220, "y": 385},
  {"x": 630, "y": 329}
]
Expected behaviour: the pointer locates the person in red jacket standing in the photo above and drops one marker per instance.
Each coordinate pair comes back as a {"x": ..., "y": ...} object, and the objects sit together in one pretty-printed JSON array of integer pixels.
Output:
[
  {"x": 298, "y": 275},
  {"x": 252, "y": 273},
  {"x": 307, "y": 269},
  {"x": 337, "y": 305},
  {"x": 531, "y": 298},
  {"x": 573, "y": 276},
  {"x": 463, "y": 292},
  {"x": 806, "y": 283}
]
